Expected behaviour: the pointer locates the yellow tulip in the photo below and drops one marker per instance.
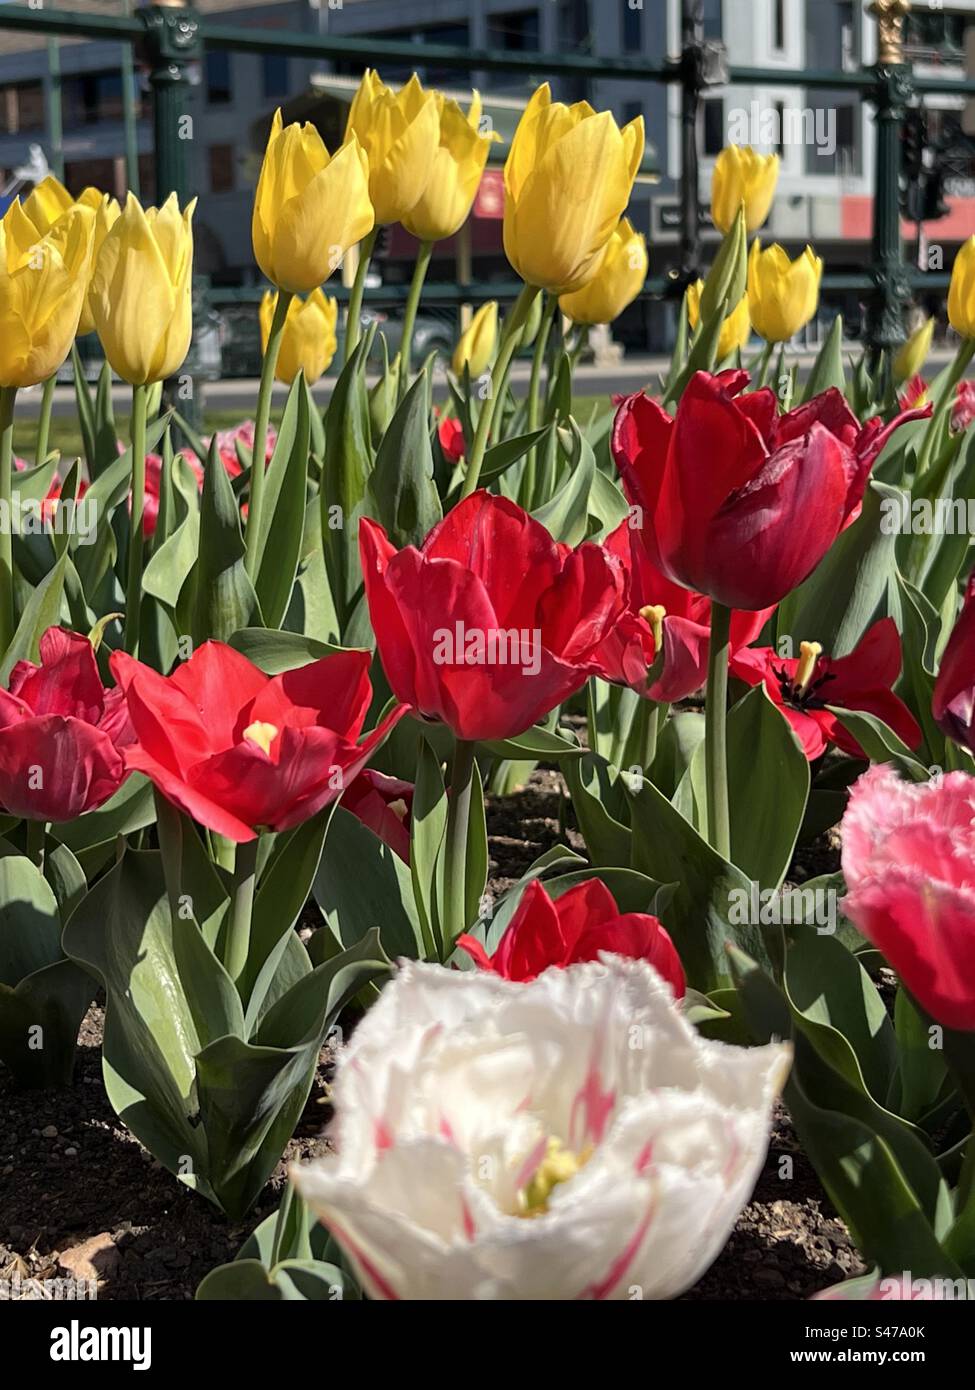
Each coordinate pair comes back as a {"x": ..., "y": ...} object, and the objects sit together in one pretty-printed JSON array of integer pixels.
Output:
[
  {"x": 140, "y": 294},
  {"x": 912, "y": 356},
  {"x": 743, "y": 177},
  {"x": 107, "y": 213},
  {"x": 42, "y": 288},
  {"x": 567, "y": 182},
  {"x": 476, "y": 344},
  {"x": 48, "y": 202},
  {"x": 458, "y": 165},
  {"x": 736, "y": 329},
  {"x": 620, "y": 279},
  {"x": 310, "y": 207},
  {"x": 400, "y": 132},
  {"x": 782, "y": 295},
  {"x": 308, "y": 342},
  {"x": 961, "y": 294}
]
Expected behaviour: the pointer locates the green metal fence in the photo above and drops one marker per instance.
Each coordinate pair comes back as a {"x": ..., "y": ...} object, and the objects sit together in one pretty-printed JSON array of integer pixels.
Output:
[{"x": 170, "y": 38}]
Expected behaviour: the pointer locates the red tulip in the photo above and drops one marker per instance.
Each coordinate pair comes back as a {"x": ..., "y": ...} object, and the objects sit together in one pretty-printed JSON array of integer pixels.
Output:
[
  {"x": 660, "y": 611},
  {"x": 383, "y": 804},
  {"x": 802, "y": 687},
  {"x": 227, "y": 441},
  {"x": 909, "y": 865},
  {"x": 240, "y": 751},
  {"x": 490, "y": 624},
  {"x": 738, "y": 502},
  {"x": 150, "y": 512},
  {"x": 60, "y": 732},
  {"x": 575, "y": 928},
  {"x": 963, "y": 411},
  {"x": 451, "y": 434},
  {"x": 953, "y": 703}
]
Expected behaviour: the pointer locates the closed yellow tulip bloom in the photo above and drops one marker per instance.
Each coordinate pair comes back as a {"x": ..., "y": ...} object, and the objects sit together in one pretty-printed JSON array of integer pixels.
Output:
[
  {"x": 476, "y": 344},
  {"x": 310, "y": 207},
  {"x": 141, "y": 291},
  {"x": 961, "y": 294},
  {"x": 736, "y": 329},
  {"x": 42, "y": 288},
  {"x": 458, "y": 165},
  {"x": 567, "y": 182},
  {"x": 619, "y": 280},
  {"x": 783, "y": 295},
  {"x": 107, "y": 213},
  {"x": 743, "y": 177},
  {"x": 47, "y": 202},
  {"x": 308, "y": 342},
  {"x": 913, "y": 355},
  {"x": 400, "y": 132}
]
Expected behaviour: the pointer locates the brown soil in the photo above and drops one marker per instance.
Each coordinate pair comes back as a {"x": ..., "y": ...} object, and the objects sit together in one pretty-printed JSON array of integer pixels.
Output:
[{"x": 69, "y": 1170}]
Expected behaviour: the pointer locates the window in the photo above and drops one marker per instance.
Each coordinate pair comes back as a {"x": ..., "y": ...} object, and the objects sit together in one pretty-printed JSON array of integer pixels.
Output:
[
  {"x": 713, "y": 26},
  {"x": 778, "y": 25},
  {"x": 454, "y": 36},
  {"x": 22, "y": 108},
  {"x": 276, "y": 73},
  {"x": 90, "y": 173},
  {"x": 222, "y": 168},
  {"x": 518, "y": 32},
  {"x": 219, "y": 88},
  {"x": 713, "y": 126},
  {"x": 629, "y": 111},
  {"x": 633, "y": 26},
  {"x": 90, "y": 97}
]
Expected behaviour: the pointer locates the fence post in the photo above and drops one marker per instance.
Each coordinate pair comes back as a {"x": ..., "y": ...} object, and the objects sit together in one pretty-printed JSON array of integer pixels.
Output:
[
  {"x": 172, "y": 43},
  {"x": 891, "y": 95}
]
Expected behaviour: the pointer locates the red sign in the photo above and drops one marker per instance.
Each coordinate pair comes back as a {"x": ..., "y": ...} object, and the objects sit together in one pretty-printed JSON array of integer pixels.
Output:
[{"x": 489, "y": 202}]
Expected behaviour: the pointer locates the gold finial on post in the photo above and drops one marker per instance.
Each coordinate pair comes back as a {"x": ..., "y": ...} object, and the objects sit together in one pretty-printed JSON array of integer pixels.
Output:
[{"x": 889, "y": 15}]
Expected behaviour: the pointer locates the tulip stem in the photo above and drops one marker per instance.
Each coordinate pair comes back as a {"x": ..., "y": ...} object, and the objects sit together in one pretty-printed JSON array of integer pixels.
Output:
[
  {"x": 510, "y": 342},
  {"x": 534, "y": 383},
  {"x": 409, "y": 318},
  {"x": 44, "y": 423},
  {"x": 8, "y": 395},
  {"x": 462, "y": 774},
  {"x": 764, "y": 360},
  {"x": 715, "y": 731},
  {"x": 352, "y": 324},
  {"x": 255, "y": 511},
  {"x": 935, "y": 430},
  {"x": 36, "y": 836},
  {"x": 133, "y": 588},
  {"x": 242, "y": 909}
]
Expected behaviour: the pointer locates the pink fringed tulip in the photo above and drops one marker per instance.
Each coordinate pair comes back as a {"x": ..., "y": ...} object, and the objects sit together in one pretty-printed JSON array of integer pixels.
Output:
[{"x": 909, "y": 864}]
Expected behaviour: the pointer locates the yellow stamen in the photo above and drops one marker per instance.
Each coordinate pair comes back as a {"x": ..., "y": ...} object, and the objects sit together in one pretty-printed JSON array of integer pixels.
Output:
[
  {"x": 654, "y": 614},
  {"x": 261, "y": 734},
  {"x": 558, "y": 1165},
  {"x": 398, "y": 808},
  {"x": 809, "y": 654}
]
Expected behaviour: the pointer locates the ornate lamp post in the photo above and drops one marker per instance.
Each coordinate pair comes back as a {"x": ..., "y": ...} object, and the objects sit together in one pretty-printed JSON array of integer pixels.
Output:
[{"x": 891, "y": 97}]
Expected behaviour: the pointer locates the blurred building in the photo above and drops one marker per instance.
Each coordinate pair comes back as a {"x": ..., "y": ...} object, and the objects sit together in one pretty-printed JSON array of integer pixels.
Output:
[{"x": 824, "y": 138}]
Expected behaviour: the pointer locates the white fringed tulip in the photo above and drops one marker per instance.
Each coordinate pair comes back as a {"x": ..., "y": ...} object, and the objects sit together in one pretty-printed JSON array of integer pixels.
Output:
[{"x": 569, "y": 1138}]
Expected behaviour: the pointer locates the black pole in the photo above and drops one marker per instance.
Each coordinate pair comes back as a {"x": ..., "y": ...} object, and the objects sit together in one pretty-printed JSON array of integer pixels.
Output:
[
  {"x": 172, "y": 43},
  {"x": 692, "y": 83},
  {"x": 891, "y": 97}
]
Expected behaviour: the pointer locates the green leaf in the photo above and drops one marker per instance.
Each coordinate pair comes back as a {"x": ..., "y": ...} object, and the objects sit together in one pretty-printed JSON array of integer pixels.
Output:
[
  {"x": 879, "y": 742},
  {"x": 599, "y": 801},
  {"x": 768, "y": 781},
  {"x": 219, "y": 597},
  {"x": 827, "y": 370},
  {"x": 428, "y": 826},
  {"x": 401, "y": 486},
  {"x": 171, "y": 564},
  {"x": 279, "y": 544},
  {"x": 535, "y": 743},
  {"x": 566, "y": 515},
  {"x": 42, "y": 611},
  {"x": 502, "y": 455},
  {"x": 379, "y": 893},
  {"x": 275, "y": 652}
]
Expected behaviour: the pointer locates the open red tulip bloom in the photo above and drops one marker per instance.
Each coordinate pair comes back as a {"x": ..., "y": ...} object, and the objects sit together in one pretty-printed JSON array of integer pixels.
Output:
[
  {"x": 804, "y": 686},
  {"x": 59, "y": 731},
  {"x": 739, "y": 502},
  {"x": 491, "y": 623},
  {"x": 953, "y": 701},
  {"x": 574, "y": 928},
  {"x": 681, "y": 619},
  {"x": 240, "y": 751},
  {"x": 909, "y": 864}
]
